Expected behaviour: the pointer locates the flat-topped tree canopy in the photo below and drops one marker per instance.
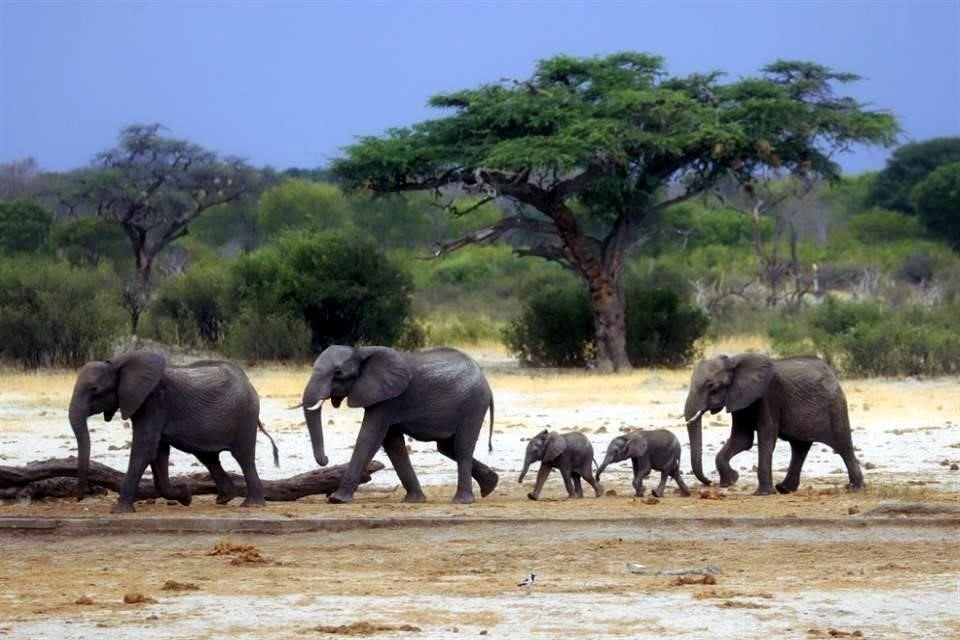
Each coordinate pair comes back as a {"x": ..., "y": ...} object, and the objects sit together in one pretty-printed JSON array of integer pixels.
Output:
[{"x": 596, "y": 142}]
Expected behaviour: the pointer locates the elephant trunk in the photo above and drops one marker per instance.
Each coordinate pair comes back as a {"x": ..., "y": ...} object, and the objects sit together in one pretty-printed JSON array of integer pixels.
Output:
[
  {"x": 693, "y": 412},
  {"x": 318, "y": 390},
  {"x": 526, "y": 467},
  {"x": 603, "y": 465},
  {"x": 78, "y": 422}
]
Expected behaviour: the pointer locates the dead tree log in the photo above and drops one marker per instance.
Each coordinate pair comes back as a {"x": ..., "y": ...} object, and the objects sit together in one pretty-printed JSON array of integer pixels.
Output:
[{"x": 55, "y": 478}]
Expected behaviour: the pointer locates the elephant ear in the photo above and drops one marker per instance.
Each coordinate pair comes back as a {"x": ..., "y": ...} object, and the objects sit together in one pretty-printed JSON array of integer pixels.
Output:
[
  {"x": 556, "y": 444},
  {"x": 752, "y": 373},
  {"x": 384, "y": 374},
  {"x": 138, "y": 374},
  {"x": 637, "y": 447}
]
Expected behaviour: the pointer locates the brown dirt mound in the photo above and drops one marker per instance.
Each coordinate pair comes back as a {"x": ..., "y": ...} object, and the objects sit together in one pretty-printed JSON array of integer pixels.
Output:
[
  {"x": 227, "y": 548},
  {"x": 680, "y": 581},
  {"x": 138, "y": 598},
  {"x": 364, "y": 628},
  {"x": 173, "y": 585}
]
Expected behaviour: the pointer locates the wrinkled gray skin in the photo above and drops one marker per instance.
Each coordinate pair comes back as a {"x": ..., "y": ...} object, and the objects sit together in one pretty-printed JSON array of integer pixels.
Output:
[
  {"x": 571, "y": 453},
  {"x": 203, "y": 409},
  {"x": 437, "y": 395},
  {"x": 796, "y": 399},
  {"x": 658, "y": 450}
]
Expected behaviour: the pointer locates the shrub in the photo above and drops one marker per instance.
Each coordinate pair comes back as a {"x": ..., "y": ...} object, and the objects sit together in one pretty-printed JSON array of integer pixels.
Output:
[
  {"x": 937, "y": 201},
  {"x": 872, "y": 339},
  {"x": 52, "y": 314},
  {"x": 189, "y": 310},
  {"x": 24, "y": 226},
  {"x": 255, "y": 336},
  {"x": 345, "y": 290},
  {"x": 555, "y": 327},
  {"x": 662, "y": 329},
  {"x": 880, "y": 225},
  {"x": 88, "y": 240},
  {"x": 917, "y": 268}
]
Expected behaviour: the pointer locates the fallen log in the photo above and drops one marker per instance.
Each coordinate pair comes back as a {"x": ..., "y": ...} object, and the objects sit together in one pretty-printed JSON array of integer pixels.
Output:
[{"x": 54, "y": 478}]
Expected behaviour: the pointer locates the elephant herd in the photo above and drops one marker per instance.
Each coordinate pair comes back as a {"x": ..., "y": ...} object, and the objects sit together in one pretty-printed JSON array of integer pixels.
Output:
[{"x": 441, "y": 395}]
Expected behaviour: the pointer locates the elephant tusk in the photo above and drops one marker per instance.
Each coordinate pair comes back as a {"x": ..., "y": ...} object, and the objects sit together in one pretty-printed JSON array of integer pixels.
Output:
[
  {"x": 316, "y": 406},
  {"x": 696, "y": 416}
]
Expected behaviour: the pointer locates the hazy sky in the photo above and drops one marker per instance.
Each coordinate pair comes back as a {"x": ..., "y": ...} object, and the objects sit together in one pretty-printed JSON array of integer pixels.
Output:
[{"x": 290, "y": 83}]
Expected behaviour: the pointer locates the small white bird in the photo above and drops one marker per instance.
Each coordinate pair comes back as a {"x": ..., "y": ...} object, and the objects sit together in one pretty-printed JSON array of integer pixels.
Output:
[{"x": 527, "y": 581}]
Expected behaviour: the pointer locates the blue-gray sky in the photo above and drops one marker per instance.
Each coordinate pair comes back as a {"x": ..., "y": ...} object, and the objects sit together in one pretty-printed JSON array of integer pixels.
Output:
[{"x": 290, "y": 83}]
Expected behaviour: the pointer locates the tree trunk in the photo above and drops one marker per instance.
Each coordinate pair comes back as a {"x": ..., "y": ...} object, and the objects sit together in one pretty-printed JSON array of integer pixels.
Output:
[
  {"x": 609, "y": 324},
  {"x": 45, "y": 479}
]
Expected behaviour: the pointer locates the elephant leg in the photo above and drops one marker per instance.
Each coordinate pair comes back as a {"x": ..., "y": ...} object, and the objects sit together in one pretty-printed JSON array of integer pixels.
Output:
[
  {"x": 766, "y": 441},
  {"x": 637, "y": 480},
  {"x": 248, "y": 465},
  {"x": 587, "y": 474},
  {"x": 161, "y": 477},
  {"x": 542, "y": 474},
  {"x": 486, "y": 477},
  {"x": 741, "y": 439},
  {"x": 658, "y": 492},
  {"x": 226, "y": 491},
  {"x": 146, "y": 439},
  {"x": 840, "y": 426},
  {"x": 675, "y": 474},
  {"x": 396, "y": 450},
  {"x": 853, "y": 468},
  {"x": 798, "y": 453},
  {"x": 568, "y": 482},
  {"x": 369, "y": 440},
  {"x": 576, "y": 484}
]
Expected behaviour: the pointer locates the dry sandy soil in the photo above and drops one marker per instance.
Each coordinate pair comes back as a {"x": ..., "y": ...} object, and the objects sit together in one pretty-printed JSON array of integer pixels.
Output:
[{"x": 815, "y": 564}]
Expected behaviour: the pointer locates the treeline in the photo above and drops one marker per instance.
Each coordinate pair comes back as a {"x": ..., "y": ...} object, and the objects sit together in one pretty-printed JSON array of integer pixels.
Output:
[{"x": 855, "y": 271}]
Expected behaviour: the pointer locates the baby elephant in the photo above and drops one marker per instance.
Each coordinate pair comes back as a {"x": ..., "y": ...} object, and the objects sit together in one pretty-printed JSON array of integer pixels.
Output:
[
  {"x": 658, "y": 449},
  {"x": 572, "y": 453}
]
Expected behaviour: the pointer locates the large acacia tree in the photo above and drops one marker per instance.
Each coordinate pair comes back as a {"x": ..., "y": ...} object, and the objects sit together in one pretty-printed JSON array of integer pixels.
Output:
[
  {"x": 153, "y": 187},
  {"x": 590, "y": 149}
]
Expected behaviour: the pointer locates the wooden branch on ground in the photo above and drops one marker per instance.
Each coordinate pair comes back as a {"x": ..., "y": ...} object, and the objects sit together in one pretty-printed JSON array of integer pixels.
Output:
[{"x": 54, "y": 478}]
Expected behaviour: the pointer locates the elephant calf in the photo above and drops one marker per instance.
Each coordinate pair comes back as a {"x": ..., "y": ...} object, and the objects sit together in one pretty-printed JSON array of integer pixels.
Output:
[
  {"x": 658, "y": 450},
  {"x": 572, "y": 453}
]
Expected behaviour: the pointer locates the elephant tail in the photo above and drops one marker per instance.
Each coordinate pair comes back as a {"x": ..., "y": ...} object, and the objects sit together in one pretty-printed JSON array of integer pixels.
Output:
[
  {"x": 596, "y": 468},
  {"x": 276, "y": 454},
  {"x": 490, "y": 439}
]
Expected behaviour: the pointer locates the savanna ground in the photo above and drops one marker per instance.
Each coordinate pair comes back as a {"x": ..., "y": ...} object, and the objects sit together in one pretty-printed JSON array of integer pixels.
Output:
[{"x": 813, "y": 564}]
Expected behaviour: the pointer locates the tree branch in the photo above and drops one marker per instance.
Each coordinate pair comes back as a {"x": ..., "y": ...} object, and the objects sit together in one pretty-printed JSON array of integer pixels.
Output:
[{"x": 490, "y": 233}]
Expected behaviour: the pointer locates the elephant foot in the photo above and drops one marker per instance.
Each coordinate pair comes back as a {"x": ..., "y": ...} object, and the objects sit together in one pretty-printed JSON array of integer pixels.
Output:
[
  {"x": 765, "y": 491},
  {"x": 783, "y": 487},
  {"x": 488, "y": 483},
  {"x": 226, "y": 496},
  {"x": 185, "y": 498},
  {"x": 856, "y": 487},
  {"x": 533, "y": 496},
  {"x": 729, "y": 480},
  {"x": 657, "y": 493},
  {"x": 253, "y": 503},
  {"x": 338, "y": 497},
  {"x": 464, "y": 497},
  {"x": 598, "y": 491},
  {"x": 122, "y": 507},
  {"x": 415, "y": 497},
  {"x": 574, "y": 496}
]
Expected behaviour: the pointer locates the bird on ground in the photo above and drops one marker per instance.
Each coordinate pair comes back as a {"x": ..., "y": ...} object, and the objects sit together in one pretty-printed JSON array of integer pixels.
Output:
[{"x": 527, "y": 581}]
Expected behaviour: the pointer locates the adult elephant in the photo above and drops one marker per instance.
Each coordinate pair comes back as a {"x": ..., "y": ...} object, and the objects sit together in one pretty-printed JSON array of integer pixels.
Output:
[
  {"x": 796, "y": 399},
  {"x": 437, "y": 395},
  {"x": 203, "y": 408}
]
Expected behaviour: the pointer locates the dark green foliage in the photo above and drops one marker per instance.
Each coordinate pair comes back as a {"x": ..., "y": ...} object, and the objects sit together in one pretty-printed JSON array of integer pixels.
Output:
[
  {"x": 189, "y": 310},
  {"x": 662, "y": 329},
  {"x": 52, "y": 314},
  {"x": 881, "y": 225},
  {"x": 907, "y": 167},
  {"x": 555, "y": 326},
  {"x": 338, "y": 283},
  {"x": 255, "y": 336},
  {"x": 235, "y": 222},
  {"x": 872, "y": 339},
  {"x": 689, "y": 226},
  {"x": 89, "y": 240},
  {"x": 24, "y": 227},
  {"x": 554, "y": 329},
  {"x": 937, "y": 202},
  {"x": 918, "y": 268}
]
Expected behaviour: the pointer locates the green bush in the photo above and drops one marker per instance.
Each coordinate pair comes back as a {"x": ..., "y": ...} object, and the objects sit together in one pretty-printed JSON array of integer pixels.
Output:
[
  {"x": 345, "y": 290},
  {"x": 555, "y": 327},
  {"x": 24, "y": 226},
  {"x": 880, "y": 225},
  {"x": 256, "y": 336},
  {"x": 937, "y": 202},
  {"x": 189, "y": 310},
  {"x": 662, "y": 329},
  {"x": 89, "y": 240},
  {"x": 52, "y": 314},
  {"x": 871, "y": 339}
]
